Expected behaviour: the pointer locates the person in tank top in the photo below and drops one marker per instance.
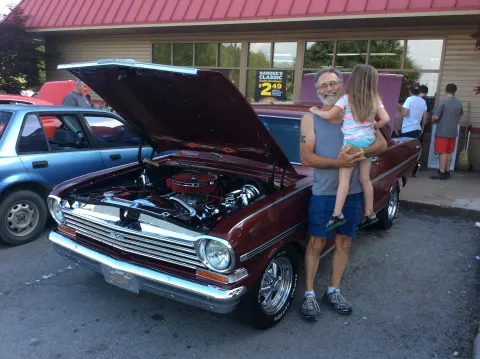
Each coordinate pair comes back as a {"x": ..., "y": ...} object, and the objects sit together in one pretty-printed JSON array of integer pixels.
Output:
[
  {"x": 321, "y": 147},
  {"x": 357, "y": 111}
]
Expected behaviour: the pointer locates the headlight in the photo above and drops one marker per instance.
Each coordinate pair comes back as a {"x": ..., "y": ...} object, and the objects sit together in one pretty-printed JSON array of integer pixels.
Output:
[
  {"x": 56, "y": 209},
  {"x": 216, "y": 254}
]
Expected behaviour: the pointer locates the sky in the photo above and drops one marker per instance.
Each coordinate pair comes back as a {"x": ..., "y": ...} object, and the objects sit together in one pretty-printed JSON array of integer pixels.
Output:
[{"x": 4, "y": 3}]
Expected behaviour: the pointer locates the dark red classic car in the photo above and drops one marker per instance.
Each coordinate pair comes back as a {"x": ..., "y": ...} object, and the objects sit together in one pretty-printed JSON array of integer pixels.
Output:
[{"x": 221, "y": 220}]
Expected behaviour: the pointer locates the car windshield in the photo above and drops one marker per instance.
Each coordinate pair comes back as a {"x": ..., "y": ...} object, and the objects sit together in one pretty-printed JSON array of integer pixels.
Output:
[
  {"x": 4, "y": 118},
  {"x": 286, "y": 131}
]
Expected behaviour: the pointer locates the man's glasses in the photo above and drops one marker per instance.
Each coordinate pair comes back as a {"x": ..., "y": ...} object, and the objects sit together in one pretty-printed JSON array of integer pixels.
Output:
[{"x": 332, "y": 84}]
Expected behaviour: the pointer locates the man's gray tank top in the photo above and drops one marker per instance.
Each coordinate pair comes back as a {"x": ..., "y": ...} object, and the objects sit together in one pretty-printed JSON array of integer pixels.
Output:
[{"x": 328, "y": 142}]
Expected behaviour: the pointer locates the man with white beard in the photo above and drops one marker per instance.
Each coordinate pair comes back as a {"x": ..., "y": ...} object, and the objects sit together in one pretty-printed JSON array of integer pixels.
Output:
[{"x": 321, "y": 148}]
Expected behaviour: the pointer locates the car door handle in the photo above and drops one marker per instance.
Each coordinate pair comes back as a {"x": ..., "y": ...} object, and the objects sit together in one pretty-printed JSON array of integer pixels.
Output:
[
  {"x": 40, "y": 164},
  {"x": 115, "y": 157}
]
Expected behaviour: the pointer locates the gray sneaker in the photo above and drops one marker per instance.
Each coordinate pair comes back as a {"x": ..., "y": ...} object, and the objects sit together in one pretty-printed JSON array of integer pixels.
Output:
[
  {"x": 310, "y": 308},
  {"x": 339, "y": 304}
]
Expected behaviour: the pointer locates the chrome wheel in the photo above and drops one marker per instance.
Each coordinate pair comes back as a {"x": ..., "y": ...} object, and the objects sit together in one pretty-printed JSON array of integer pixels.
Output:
[
  {"x": 276, "y": 285},
  {"x": 22, "y": 218},
  {"x": 393, "y": 204}
]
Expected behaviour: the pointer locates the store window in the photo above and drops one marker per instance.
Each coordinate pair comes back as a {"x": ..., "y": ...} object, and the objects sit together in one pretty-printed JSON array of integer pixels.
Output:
[
  {"x": 424, "y": 54},
  {"x": 270, "y": 71},
  {"x": 162, "y": 54},
  {"x": 259, "y": 55},
  {"x": 183, "y": 54},
  {"x": 318, "y": 54},
  {"x": 284, "y": 55},
  {"x": 350, "y": 53},
  {"x": 223, "y": 57},
  {"x": 386, "y": 54},
  {"x": 206, "y": 55},
  {"x": 230, "y": 54}
]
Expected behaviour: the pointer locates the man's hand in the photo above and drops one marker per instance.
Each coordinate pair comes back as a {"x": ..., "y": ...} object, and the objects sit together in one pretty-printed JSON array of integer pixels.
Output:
[{"x": 349, "y": 156}]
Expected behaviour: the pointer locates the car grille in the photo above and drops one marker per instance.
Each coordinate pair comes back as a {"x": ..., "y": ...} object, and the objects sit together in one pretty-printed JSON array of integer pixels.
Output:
[{"x": 163, "y": 248}]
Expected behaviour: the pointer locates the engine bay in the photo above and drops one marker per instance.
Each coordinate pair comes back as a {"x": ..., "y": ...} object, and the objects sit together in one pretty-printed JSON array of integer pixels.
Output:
[{"x": 194, "y": 199}]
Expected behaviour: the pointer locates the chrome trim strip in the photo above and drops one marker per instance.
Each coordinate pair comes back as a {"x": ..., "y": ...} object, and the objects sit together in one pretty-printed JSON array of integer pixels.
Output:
[
  {"x": 239, "y": 224},
  {"x": 271, "y": 242},
  {"x": 128, "y": 63},
  {"x": 209, "y": 292},
  {"x": 385, "y": 174}
]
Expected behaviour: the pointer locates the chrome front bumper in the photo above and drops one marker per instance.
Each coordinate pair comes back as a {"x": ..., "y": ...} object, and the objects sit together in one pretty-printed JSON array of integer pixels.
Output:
[{"x": 204, "y": 296}]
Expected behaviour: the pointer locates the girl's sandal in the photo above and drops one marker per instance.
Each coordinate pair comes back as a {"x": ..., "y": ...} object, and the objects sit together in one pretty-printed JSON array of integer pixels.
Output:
[
  {"x": 335, "y": 221},
  {"x": 368, "y": 221}
]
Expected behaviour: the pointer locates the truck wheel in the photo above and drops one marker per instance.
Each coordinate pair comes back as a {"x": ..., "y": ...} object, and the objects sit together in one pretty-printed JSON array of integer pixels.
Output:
[
  {"x": 273, "y": 294},
  {"x": 23, "y": 215},
  {"x": 389, "y": 213}
]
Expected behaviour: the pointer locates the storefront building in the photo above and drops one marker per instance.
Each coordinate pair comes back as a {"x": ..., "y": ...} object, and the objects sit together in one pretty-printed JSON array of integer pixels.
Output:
[{"x": 429, "y": 41}]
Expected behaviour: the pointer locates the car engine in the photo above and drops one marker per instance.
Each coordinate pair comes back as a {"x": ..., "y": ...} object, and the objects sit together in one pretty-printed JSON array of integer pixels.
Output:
[{"x": 193, "y": 198}]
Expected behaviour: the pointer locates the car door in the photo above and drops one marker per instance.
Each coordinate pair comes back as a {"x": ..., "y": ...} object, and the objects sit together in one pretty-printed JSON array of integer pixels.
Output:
[
  {"x": 56, "y": 158},
  {"x": 116, "y": 141}
]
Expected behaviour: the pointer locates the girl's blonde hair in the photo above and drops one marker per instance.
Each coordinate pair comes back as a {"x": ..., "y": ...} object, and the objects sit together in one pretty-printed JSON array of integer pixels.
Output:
[{"x": 362, "y": 92}]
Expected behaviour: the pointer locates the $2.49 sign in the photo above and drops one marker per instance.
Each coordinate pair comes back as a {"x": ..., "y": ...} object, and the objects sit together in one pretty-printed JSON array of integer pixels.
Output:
[{"x": 270, "y": 83}]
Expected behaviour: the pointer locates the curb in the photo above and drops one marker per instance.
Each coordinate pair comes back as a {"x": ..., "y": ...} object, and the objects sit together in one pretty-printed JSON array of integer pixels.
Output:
[{"x": 444, "y": 211}]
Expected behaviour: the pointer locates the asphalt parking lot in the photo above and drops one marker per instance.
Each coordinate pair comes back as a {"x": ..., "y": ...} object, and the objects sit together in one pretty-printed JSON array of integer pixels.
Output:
[{"x": 414, "y": 290}]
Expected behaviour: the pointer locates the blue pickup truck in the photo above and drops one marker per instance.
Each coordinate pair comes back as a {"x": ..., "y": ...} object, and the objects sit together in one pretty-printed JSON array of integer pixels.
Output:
[{"x": 42, "y": 146}]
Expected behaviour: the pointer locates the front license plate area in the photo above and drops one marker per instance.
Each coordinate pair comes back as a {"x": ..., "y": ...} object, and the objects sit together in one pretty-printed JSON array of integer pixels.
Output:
[{"x": 121, "y": 279}]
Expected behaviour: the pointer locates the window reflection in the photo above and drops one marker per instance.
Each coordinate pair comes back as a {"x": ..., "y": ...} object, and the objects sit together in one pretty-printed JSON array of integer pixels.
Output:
[
  {"x": 318, "y": 54},
  {"x": 351, "y": 53},
  {"x": 386, "y": 54},
  {"x": 230, "y": 54},
  {"x": 424, "y": 54},
  {"x": 284, "y": 55},
  {"x": 162, "y": 54},
  {"x": 183, "y": 54},
  {"x": 259, "y": 55},
  {"x": 206, "y": 54}
]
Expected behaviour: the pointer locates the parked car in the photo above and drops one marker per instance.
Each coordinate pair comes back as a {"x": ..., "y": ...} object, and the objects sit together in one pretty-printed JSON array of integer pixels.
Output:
[
  {"x": 22, "y": 100},
  {"x": 221, "y": 222},
  {"x": 42, "y": 146}
]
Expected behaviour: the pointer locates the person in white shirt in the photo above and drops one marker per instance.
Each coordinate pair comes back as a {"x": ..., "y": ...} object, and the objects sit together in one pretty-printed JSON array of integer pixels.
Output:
[{"x": 414, "y": 110}]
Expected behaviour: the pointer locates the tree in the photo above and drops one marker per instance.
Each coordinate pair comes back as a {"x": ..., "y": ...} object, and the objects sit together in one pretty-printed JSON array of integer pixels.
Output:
[{"x": 22, "y": 56}]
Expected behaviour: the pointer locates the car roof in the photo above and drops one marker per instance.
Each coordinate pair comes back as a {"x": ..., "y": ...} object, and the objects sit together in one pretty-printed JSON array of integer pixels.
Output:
[{"x": 34, "y": 108}]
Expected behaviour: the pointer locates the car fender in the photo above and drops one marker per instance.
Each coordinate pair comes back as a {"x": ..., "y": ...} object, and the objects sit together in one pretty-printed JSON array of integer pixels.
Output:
[{"x": 24, "y": 181}]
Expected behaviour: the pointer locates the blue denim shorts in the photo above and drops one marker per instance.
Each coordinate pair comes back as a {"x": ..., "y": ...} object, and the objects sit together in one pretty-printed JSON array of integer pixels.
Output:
[{"x": 321, "y": 209}]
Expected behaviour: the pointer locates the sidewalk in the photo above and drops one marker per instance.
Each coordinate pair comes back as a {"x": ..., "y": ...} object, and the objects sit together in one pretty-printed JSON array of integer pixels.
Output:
[{"x": 457, "y": 197}]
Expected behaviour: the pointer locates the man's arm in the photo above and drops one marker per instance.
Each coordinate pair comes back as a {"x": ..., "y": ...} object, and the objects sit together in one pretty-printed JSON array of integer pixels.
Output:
[
  {"x": 424, "y": 121},
  {"x": 377, "y": 147},
  {"x": 307, "y": 149},
  {"x": 406, "y": 107},
  {"x": 437, "y": 113}
]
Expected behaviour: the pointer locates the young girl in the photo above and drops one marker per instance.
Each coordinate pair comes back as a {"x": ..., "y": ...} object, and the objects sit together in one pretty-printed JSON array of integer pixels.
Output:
[{"x": 359, "y": 108}]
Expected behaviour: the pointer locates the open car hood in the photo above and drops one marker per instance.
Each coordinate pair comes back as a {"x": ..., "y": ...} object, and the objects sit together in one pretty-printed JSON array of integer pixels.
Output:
[{"x": 182, "y": 108}]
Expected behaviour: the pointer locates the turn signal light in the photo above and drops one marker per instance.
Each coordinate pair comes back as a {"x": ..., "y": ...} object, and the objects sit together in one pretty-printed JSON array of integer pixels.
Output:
[
  {"x": 213, "y": 276},
  {"x": 67, "y": 230}
]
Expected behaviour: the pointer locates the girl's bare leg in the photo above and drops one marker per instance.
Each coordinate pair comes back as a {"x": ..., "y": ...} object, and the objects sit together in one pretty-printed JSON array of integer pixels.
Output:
[
  {"x": 367, "y": 186},
  {"x": 344, "y": 175}
]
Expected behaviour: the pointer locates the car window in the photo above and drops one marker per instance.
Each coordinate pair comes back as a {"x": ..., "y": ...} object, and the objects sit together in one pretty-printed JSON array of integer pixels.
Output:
[
  {"x": 4, "y": 118},
  {"x": 286, "y": 131},
  {"x": 111, "y": 133},
  {"x": 32, "y": 138},
  {"x": 64, "y": 132}
]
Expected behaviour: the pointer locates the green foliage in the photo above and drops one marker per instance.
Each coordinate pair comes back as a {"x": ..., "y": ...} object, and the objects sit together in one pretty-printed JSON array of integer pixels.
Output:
[{"x": 22, "y": 55}]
